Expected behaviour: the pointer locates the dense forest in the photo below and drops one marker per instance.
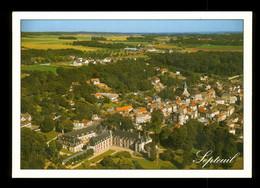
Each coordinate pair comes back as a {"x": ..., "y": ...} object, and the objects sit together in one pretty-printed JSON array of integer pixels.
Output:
[{"x": 218, "y": 63}]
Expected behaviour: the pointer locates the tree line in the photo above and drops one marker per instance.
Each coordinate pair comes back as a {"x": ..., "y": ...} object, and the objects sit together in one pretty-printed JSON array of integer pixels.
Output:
[
  {"x": 233, "y": 39},
  {"x": 68, "y": 37},
  {"x": 100, "y": 45}
]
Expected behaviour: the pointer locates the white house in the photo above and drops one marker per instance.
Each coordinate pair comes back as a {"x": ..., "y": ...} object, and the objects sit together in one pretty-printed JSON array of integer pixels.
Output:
[
  {"x": 95, "y": 81},
  {"x": 26, "y": 120},
  {"x": 219, "y": 101},
  {"x": 75, "y": 63},
  {"x": 211, "y": 113},
  {"x": 78, "y": 124},
  {"x": 107, "y": 60},
  {"x": 232, "y": 99}
]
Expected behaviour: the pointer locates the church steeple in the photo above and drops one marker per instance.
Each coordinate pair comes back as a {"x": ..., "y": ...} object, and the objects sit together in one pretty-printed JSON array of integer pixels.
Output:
[
  {"x": 185, "y": 92},
  {"x": 185, "y": 85}
]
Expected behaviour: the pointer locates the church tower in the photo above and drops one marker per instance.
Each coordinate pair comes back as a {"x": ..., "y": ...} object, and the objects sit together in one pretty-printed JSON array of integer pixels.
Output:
[{"x": 185, "y": 92}]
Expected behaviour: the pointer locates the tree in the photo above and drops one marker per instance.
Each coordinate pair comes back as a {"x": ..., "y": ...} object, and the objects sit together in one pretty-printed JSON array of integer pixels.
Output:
[
  {"x": 127, "y": 123},
  {"x": 229, "y": 150},
  {"x": 179, "y": 136},
  {"x": 33, "y": 149},
  {"x": 108, "y": 162},
  {"x": 156, "y": 121},
  {"x": 65, "y": 125},
  {"x": 165, "y": 137},
  {"x": 125, "y": 163},
  {"x": 47, "y": 124},
  {"x": 83, "y": 111},
  {"x": 167, "y": 155},
  {"x": 151, "y": 149},
  {"x": 187, "y": 159},
  {"x": 51, "y": 150}
]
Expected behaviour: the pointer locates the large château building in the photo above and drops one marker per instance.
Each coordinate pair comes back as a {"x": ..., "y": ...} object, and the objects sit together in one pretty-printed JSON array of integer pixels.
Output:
[
  {"x": 98, "y": 138},
  {"x": 132, "y": 140}
]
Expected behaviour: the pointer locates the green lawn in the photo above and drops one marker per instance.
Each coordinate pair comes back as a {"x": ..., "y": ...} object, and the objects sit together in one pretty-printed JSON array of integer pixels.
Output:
[
  {"x": 50, "y": 135},
  {"x": 40, "y": 67},
  {"x": 147, "y": 164},
  {"x": 101, "y": 156}
]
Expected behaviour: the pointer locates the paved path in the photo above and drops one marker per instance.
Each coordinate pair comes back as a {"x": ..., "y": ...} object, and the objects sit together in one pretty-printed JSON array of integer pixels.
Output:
[{"x": 52, "y": 139}]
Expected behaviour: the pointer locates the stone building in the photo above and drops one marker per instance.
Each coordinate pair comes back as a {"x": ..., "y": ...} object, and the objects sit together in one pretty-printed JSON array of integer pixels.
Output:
[
  {"x": 131, "y": 140},
  {"x": 100, "y": 142}
]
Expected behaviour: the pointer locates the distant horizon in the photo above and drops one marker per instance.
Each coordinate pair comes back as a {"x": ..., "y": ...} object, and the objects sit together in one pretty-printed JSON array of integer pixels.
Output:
[
  {"x": 134, "y": 26},
  {"x": 103, "y": 32}
]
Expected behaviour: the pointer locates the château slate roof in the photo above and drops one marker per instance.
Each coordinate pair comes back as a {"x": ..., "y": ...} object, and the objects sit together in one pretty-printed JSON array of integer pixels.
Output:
[
  {"x": 70, "y": 140},
  {"x": 101, "y": 137},
  {"x": 81, "y": 132},
  {"x": 125, "y": 134},
  {"x": 131, "y": 135}
]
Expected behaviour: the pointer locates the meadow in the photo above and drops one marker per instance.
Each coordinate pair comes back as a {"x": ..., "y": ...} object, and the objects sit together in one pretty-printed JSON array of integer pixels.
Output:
[
  {"x": 40, "y": 67},
  {"x": 52, "y": 42}
]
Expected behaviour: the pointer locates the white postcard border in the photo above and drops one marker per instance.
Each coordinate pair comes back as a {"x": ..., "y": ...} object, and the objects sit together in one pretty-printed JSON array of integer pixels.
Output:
[{"x": 246, "y": 16}]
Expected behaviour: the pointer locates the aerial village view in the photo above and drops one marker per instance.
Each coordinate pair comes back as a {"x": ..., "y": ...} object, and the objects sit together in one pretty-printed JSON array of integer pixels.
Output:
[{"x": 135, "y": 99}]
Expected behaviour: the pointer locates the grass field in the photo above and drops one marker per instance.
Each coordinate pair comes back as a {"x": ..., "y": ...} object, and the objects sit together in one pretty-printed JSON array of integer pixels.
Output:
[
  {"x": 40, "y": 67},
  {"x": 221, "y": 47}
]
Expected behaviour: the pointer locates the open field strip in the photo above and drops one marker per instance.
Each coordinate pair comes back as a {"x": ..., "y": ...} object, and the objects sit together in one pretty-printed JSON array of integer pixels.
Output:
[
  {"x": 221, "y": 47},
  {"x": 52, "y": 42},
  {"x": 208, "y": 50},
  {"x": 55, "y": 45},
  {"x": 40, "y": 67}
]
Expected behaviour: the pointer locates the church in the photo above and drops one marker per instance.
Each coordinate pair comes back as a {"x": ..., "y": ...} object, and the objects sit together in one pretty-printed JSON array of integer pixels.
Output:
[{"x": 185, "y": 92}]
